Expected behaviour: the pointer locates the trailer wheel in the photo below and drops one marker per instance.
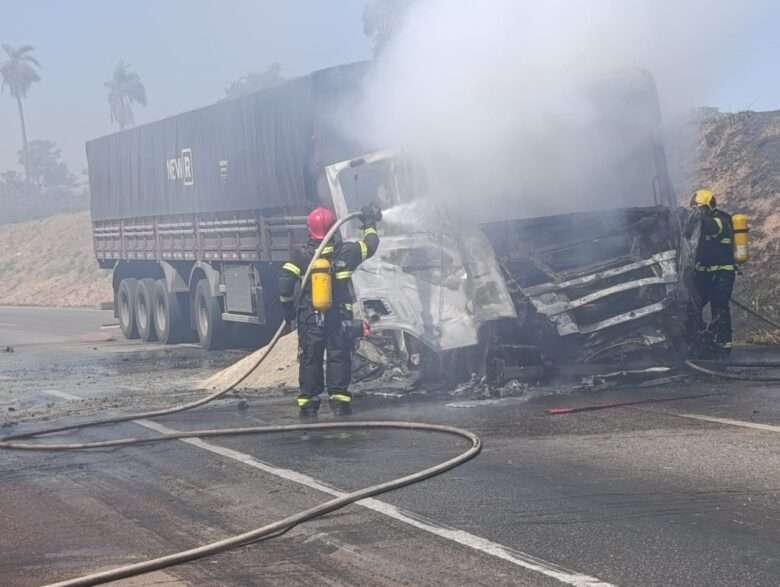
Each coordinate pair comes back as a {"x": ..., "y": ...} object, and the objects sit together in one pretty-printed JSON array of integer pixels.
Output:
[
  {"x": 125, "y": 301},
  {"x": 207, "y": 312},
  {"x": 169, "y": 315},
  {"x": 144, "y": 310}
]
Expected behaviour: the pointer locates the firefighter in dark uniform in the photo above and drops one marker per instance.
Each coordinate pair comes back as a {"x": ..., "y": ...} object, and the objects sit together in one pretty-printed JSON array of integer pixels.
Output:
[
  {"x": 715, "y": 268},
  {"x": 326, "y": 333}
]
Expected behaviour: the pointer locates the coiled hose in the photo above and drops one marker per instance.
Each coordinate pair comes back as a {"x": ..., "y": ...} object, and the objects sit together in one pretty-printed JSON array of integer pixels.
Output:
[{"x": 270, "y": 530}]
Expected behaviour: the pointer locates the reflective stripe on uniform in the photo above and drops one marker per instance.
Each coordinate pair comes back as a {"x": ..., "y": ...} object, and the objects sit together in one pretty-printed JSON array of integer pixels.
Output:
[
  {"x": 343, "y": 274},
  {"x": 292, "y": 268},
  {"x": 348, "y": 307},
  {"x": 369, "y": 230},
  {"x": 725, "y": 241},
  {"x": 340, "y": 397},
  {"x": 327, "y": 250},
  {"x": 305, "y": 401},
  {"x": 719, "y": 222},
  {"x": 286, "y": 298},
  {"x": 709, "y": 268},
  {"x": 363, "y": 250}
]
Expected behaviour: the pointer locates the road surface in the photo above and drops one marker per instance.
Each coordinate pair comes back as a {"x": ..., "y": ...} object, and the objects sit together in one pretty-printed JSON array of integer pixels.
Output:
[
  {"x": 30, "y": 325},
  {"x": 679, "y": 493}
]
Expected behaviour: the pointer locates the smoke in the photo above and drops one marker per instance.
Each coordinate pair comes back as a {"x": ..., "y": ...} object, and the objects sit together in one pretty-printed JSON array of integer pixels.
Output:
[{"x": 506, "y": 102}]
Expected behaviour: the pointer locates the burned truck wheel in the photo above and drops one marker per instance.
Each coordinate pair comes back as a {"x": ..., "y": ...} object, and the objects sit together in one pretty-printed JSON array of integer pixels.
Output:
[
  {"x": 125, "y": 303},
  {"x": 170, "y": 321},
  {"x": 144, "y": 309},
  {"x": 207, "y": 312}
]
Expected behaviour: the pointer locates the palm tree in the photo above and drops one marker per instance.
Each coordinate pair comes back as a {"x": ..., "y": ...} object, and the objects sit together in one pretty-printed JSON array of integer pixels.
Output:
[
  {"x": 124, "y": 89},
  {"x": 19, "y": 73}
]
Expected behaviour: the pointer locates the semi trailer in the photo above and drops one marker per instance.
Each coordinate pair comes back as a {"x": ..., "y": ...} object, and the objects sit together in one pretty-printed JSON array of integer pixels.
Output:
[{"x": 195, "y": 213}]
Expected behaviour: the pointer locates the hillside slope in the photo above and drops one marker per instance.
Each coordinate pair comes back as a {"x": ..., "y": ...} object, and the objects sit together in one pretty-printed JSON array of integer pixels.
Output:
[
  {"x": 738, "y": 157},
  {"x": 50, "y": 262}
]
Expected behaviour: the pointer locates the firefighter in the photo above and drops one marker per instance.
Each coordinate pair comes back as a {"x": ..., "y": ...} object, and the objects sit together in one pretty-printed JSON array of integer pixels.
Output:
[
  {"x": 326, "y": 332},
  {"x": 715, "y": 268}
]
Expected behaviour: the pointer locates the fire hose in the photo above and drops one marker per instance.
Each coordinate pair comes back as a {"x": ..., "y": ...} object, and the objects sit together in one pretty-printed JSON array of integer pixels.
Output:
[
  {"x": 268, "y": 531},
  {"x": 696, "y": 365}
]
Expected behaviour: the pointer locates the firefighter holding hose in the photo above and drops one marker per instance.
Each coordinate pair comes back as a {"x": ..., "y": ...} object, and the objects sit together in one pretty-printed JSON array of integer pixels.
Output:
[
  {"x": 324, "y": 313},
  {"x": 716, "y": 257}
]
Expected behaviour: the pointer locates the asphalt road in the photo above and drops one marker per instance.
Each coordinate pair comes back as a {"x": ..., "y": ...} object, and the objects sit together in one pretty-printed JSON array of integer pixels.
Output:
[
  {"x": 30, "y": 325},
  {"x": 678, "y": 493}
]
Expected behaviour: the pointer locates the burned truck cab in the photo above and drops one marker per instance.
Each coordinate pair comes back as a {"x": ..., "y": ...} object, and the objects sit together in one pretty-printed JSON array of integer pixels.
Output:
[
  {"x": 430, "y": 286},
  {"x": 595, "y": 287},
  {"x": 584, "y": 265}
]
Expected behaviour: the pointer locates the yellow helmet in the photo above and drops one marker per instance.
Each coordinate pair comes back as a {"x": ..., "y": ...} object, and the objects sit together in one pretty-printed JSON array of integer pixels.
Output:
[{"x": 703, "y": 198}]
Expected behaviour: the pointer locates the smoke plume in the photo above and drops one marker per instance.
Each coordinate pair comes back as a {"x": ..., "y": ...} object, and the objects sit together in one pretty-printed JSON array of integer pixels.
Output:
[{"x": 501, "y": 99}]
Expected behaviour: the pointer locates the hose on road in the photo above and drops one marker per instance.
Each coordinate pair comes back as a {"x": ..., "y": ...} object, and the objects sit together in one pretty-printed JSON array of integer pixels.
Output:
[
  {"x": 262, "y": 354},
  {"x": 284, "y": 524},
  {"x": 696, "y": 366},
  {"x": 725, "y": 375},
  {"x": 270, "y": 530}
]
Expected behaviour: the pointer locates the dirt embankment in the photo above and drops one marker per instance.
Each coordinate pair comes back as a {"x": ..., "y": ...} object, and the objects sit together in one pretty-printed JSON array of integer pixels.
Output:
[
  {"x": 50, "y": 262},
  {"x": 738, "y": 157}
]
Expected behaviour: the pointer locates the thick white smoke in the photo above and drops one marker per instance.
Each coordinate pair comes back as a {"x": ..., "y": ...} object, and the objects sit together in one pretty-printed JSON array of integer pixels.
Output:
[{"x": 497, "y": 96}]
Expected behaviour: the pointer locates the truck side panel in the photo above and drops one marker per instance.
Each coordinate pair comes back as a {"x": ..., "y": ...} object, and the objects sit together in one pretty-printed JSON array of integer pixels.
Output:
[
  {"x": 247, "y": 235},
  {"x": 235, "y": 155}
]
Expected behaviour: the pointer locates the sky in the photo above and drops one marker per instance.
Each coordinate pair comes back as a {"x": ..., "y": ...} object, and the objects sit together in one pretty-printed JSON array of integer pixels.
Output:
[{"x": 188, "y": 51}]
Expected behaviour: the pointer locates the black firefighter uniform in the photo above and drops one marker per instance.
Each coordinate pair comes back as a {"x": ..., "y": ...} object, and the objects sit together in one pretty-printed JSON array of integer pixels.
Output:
[
  {"x": 715, "y": 271},
  {"x": 325, "y": 335}
]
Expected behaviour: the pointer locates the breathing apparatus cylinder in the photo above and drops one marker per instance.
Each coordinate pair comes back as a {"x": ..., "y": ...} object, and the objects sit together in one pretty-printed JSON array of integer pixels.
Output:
[
  {"x": 321, "y": 285},
  {"x": 740, "y": 223}
]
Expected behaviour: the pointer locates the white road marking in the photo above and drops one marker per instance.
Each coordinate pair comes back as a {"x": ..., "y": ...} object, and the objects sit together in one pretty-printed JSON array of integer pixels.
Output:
[
  {"x": 59, "y": 394},
  {"x": 515, "y": 557},
  {"x": 730, "y": 422}
]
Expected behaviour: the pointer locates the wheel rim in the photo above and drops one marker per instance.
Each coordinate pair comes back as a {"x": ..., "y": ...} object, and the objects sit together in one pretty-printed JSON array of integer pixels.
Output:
[
  {"x": 203, "y": 317},
  {"x": 143, "y": 316},
  {"x": 124, "y": 308},
  {"x": 162, "y": 317}
]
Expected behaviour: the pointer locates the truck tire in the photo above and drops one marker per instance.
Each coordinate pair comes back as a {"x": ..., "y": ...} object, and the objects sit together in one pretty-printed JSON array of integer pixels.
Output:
[
  {"x": 125, "y": 304},
  {"x": 144, "y": 310},
  {"x": 170, "y": 321},
  {"x": 207, "y": 312}
]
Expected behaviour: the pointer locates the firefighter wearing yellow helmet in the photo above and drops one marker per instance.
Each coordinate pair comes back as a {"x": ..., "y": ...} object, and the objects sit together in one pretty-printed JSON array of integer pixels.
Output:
[{"x": 715, "y": 268}]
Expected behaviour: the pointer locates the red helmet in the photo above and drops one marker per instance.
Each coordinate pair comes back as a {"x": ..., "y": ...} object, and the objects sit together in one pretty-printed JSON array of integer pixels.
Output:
[{"x": 319, "y": 223}]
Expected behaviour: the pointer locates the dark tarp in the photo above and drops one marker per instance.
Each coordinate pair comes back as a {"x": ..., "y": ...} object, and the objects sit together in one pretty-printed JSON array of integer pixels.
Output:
[{"x": 261, "y": 151}]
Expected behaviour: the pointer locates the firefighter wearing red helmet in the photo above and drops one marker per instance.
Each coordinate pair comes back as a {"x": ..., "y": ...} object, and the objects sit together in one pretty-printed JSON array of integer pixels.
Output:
[{"x": 323, "y": 334}]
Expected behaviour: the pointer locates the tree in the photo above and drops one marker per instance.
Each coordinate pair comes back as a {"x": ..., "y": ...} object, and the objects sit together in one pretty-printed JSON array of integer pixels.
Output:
[
  {"x": 382, "y": 19},
  {"x": 48, "y": 172},
  {"x": 254, "y": 82},
  {"x": 19, "y": 72},
  {"x": 11, "y": 183},
  {"x": 124, "y": 90}
]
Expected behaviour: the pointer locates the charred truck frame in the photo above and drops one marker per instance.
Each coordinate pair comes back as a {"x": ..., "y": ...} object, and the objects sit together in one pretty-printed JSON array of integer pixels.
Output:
[
  {"x": 507, "y": 299},
  {"x": 195, "y": 213}
]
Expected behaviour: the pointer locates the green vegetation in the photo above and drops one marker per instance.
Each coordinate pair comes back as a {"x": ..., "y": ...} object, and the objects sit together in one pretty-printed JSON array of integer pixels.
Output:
[{"x": 124, "y": 90}]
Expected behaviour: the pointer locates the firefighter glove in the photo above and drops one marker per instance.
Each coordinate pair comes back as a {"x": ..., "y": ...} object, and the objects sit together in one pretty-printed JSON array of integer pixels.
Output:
[{"x": 370, "y": 214}]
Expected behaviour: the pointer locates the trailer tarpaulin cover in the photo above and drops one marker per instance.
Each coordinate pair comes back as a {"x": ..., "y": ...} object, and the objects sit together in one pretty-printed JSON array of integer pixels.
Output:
[{"x": 261, "y": 151}]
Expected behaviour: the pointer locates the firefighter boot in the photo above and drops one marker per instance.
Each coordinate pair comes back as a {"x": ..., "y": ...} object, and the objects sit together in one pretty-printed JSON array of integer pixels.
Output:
[
  {"x": 308, "y": 407},
  {"x": 340, "y": 404}
]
